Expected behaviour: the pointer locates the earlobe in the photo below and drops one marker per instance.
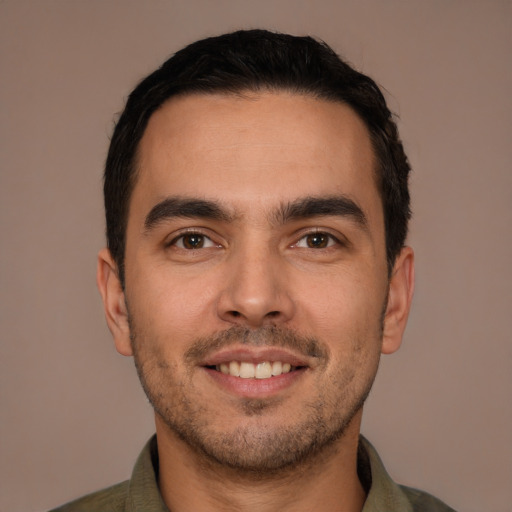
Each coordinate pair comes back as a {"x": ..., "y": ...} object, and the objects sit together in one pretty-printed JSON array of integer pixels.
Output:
[
  {"x": 401, "y": 289},
  {"x": 114, "y": 303}
]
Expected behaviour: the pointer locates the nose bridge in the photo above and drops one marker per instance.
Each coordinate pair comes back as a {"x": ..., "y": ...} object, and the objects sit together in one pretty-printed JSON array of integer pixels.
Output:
[{"x": 255, "y": 291}]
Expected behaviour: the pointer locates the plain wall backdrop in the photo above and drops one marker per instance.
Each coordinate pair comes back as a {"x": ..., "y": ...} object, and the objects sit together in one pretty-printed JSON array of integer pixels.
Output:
[{"x": 73, "y": 415}]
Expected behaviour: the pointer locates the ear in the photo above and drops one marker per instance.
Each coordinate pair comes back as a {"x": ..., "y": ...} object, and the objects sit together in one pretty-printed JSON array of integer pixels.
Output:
[
  {"x": 114, "y": 304},
  {"x": 401, "y": 289}
]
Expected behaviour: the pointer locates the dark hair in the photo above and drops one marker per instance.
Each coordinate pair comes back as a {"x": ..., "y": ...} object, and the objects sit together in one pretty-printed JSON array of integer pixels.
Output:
[{"x": 257, "y": 60}]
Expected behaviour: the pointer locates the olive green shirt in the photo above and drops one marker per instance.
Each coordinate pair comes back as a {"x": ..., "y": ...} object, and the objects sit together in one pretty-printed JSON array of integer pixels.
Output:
[{"x": 141, "y": 494}]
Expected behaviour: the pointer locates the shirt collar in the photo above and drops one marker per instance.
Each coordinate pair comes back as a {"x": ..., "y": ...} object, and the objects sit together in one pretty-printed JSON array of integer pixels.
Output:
[
  {"x": 384, "y": 494},
  {"x": 143, "y": 492}
]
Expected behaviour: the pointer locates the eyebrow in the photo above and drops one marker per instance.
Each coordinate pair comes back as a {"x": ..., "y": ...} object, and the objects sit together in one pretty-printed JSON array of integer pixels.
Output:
[
  {"x": 303, "y": 208},
  {"x": 188, "y": 208},
  {"x": 335, "y": 206}
]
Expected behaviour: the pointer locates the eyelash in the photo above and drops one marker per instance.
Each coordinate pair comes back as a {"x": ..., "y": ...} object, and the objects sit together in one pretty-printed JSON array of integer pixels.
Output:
[
  {"x": 331, "y": 240},
  {"x": 181, "y": 236}
]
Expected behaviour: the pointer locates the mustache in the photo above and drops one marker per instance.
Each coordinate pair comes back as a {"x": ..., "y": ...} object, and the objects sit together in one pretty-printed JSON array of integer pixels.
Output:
[{"x": 266, "y": 336}]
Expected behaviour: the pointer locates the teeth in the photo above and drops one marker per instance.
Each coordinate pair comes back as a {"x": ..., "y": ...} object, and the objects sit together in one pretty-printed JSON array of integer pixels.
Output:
[
  {"x": 277, "y": 368},
  {"x": 263, "y": 370},
  {"x": 247, "y": 370},
  {"x": 234, "y": 368}
]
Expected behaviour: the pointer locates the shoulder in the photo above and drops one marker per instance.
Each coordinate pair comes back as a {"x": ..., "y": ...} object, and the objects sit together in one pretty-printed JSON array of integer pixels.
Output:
[
  {"x": 423, "y": 502},
  {"x": 384, "y": 494},
  {"x": 111, "y": 499}
]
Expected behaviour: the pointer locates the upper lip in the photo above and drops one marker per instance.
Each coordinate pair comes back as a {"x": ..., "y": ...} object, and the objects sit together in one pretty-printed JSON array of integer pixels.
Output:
[{"x": 254, "y": 355}]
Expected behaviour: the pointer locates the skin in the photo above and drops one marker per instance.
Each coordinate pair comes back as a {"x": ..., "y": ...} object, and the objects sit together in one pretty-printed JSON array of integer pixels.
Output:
[{"x": 313, "y": 287}]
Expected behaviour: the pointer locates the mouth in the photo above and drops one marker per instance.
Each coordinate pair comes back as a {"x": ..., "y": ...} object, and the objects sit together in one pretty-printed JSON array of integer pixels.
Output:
[
  {"x": 249, "y": 370},
  {"x": 256, "y": 372}
]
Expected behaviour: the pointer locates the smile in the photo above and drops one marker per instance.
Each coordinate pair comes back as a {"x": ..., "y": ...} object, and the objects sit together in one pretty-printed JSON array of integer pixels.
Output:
[
  {"x": 247, "y": 370},
  {"x": 255, "y": 372}
]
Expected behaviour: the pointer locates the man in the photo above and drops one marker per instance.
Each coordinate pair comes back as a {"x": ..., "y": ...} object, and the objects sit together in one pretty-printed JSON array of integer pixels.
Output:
[{"x": 257, "y": 205}]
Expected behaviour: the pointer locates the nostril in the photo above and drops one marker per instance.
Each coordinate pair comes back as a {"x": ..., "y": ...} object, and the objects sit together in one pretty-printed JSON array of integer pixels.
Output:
[{"x": 270, "y": 314}]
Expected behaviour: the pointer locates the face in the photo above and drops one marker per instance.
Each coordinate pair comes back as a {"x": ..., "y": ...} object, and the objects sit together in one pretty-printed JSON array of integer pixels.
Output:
[{"x": 257, "y": 298}]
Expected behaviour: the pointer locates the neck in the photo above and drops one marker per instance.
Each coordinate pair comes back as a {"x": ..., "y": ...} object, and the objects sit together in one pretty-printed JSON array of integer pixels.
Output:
[{"x": 327, "y": 482}]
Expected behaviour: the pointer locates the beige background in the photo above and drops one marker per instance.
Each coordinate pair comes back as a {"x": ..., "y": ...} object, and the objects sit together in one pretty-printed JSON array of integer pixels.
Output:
[{"x": 73, "y": 417}]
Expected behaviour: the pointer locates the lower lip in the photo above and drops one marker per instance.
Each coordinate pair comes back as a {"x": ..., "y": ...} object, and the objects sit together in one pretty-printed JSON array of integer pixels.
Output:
[{"x": 255, "y": 388}]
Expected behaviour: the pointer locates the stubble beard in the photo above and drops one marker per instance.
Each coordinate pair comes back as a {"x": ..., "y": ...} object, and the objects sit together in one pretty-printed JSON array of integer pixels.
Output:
[{"x": 254, "y": 448}]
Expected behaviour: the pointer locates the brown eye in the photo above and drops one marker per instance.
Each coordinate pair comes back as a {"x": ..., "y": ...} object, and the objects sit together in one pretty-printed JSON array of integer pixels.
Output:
[
  {"x": 191, "y": 241},
  {"x": 318, "y": 240}
]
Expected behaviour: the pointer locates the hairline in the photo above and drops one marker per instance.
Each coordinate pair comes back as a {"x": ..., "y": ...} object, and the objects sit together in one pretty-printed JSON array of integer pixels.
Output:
[{"x": 250, "y": 93}]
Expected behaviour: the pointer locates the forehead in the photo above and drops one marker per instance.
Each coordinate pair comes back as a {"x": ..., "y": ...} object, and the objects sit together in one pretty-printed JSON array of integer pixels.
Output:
[{"x": 254, "y": 149}]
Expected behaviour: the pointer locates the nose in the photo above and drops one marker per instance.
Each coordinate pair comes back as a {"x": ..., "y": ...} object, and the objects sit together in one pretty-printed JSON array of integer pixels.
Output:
[{"x": 256, "y": 290}]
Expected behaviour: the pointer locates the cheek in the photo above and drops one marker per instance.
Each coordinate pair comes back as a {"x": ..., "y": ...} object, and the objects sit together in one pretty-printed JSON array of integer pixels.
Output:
[
  {"x": 347, "y": 318},
  {"x": 344, "y": 303},
  {"x": 170, "y": 305}
]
